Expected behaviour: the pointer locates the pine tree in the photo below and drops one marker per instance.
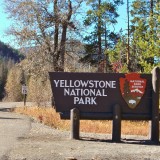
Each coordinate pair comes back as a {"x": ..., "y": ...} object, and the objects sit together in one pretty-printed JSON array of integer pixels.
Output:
[
  {"x": 144, "y": 38},
  {"x": 144, "y": 34},
  {"x": 100, "y": 15}
]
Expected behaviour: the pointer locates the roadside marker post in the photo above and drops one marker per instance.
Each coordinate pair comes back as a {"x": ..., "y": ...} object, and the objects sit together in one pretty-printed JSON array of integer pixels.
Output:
[{"x": 24, "y": 92}]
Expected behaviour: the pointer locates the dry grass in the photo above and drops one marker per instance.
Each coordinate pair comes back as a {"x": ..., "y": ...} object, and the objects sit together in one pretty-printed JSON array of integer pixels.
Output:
[{"x": 49, "y": 117}]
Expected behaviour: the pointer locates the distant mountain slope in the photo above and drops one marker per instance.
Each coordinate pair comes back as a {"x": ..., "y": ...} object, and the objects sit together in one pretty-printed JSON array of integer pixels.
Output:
[{"x": 9, "y": 53}]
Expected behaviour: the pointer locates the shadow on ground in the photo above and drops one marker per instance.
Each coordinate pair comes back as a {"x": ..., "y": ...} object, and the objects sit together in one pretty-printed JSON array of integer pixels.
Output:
[
  {"x": 123, "y": 141},
  {"x": 6, "y": 109}
]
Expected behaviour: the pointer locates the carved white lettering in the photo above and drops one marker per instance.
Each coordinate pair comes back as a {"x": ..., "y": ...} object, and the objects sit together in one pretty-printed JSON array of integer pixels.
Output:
[
  {"x": 66, "y": 92},
  {"x": 93, "y": 100},
  {"x": 56, "y": 82},
  {"x": 62, "y": 83},
  {"x": 84, "y": 84},
  {"x": 76, "y": 99},
  {"x": 84, "y": 92},
  {"x": 85, "y": 100}
]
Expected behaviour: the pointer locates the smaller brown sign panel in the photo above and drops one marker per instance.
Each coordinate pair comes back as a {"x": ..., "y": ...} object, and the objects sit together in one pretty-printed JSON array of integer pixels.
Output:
[{"x": 98, "y": 92}]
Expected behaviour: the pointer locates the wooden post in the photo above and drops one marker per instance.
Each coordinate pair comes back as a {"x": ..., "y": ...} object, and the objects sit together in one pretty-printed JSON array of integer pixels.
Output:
[
  {"x": 155, "y": 105},
  {"x": 25, "y": 97},
  {"x": 116, "y": 125},
  {"x": 75, "y": 123},
  {"x": 24, "y": 92}
]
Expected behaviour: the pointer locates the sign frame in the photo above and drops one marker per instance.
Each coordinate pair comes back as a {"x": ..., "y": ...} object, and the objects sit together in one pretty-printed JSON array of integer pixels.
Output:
[{"x": 101, "y": 107}]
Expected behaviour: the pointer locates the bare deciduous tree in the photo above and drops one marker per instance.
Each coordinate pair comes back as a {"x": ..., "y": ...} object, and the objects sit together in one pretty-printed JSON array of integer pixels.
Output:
[{"x": 44, "y": 24}]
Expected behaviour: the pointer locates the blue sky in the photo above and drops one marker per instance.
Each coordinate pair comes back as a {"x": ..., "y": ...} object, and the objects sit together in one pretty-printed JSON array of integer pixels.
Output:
[{"x": 5, "y": 23}]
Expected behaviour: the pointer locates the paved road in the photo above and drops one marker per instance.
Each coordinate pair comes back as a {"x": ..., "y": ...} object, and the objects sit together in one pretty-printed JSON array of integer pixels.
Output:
[{"x": 12, "y": 127}]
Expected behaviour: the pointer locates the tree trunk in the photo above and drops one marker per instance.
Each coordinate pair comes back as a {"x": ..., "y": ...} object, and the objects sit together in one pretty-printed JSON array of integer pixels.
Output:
[
  {"x": 64, "y": 33},
  {"x": 56, "y": 26},
  {"x": 59, "y": 49},
  {"x": 99, "y": 31},
  {"x": 128, "y": 44}
]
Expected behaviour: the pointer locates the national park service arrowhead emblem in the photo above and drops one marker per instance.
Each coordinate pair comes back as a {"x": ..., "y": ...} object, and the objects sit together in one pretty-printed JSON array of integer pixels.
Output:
[{"x": 132, "y": 88}]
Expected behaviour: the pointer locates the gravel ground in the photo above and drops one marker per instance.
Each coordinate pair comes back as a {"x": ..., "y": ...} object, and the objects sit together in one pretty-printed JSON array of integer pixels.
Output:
[
  {"x": 40, "y": 142},
  {"x": 45, "y": 143}
]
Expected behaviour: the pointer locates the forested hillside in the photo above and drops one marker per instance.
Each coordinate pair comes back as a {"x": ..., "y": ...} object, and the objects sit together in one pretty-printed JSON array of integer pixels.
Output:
[
  {"x": 8, "y": 58},
  {"x": 9, "y": 53}
]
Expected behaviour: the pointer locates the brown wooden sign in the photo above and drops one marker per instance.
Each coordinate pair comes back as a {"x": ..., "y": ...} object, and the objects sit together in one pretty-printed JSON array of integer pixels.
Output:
[
  {"x": 95, "y": 94},
  {"x": 107, "y": 96}
]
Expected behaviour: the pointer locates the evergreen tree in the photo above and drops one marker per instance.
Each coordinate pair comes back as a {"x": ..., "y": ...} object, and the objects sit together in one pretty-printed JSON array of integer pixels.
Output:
[
  {"x": 144, "y": 30},
  {"x": 144, "y": 40},
  {"x": 100, "y": 15}
]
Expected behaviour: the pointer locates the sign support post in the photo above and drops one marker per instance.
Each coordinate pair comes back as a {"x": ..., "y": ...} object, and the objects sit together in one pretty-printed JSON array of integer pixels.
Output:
[
  {"x": 75, "y": 118},
  {"x": 25, "y": 96},
  {"x": 116, "y": 123},
  {"x": 155, "y": 105},
  {"x": 24, "y": 92}
]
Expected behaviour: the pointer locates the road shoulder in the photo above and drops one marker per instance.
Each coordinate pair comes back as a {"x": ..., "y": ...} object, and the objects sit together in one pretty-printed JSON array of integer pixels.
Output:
[{"x": 46, "y": 143}]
